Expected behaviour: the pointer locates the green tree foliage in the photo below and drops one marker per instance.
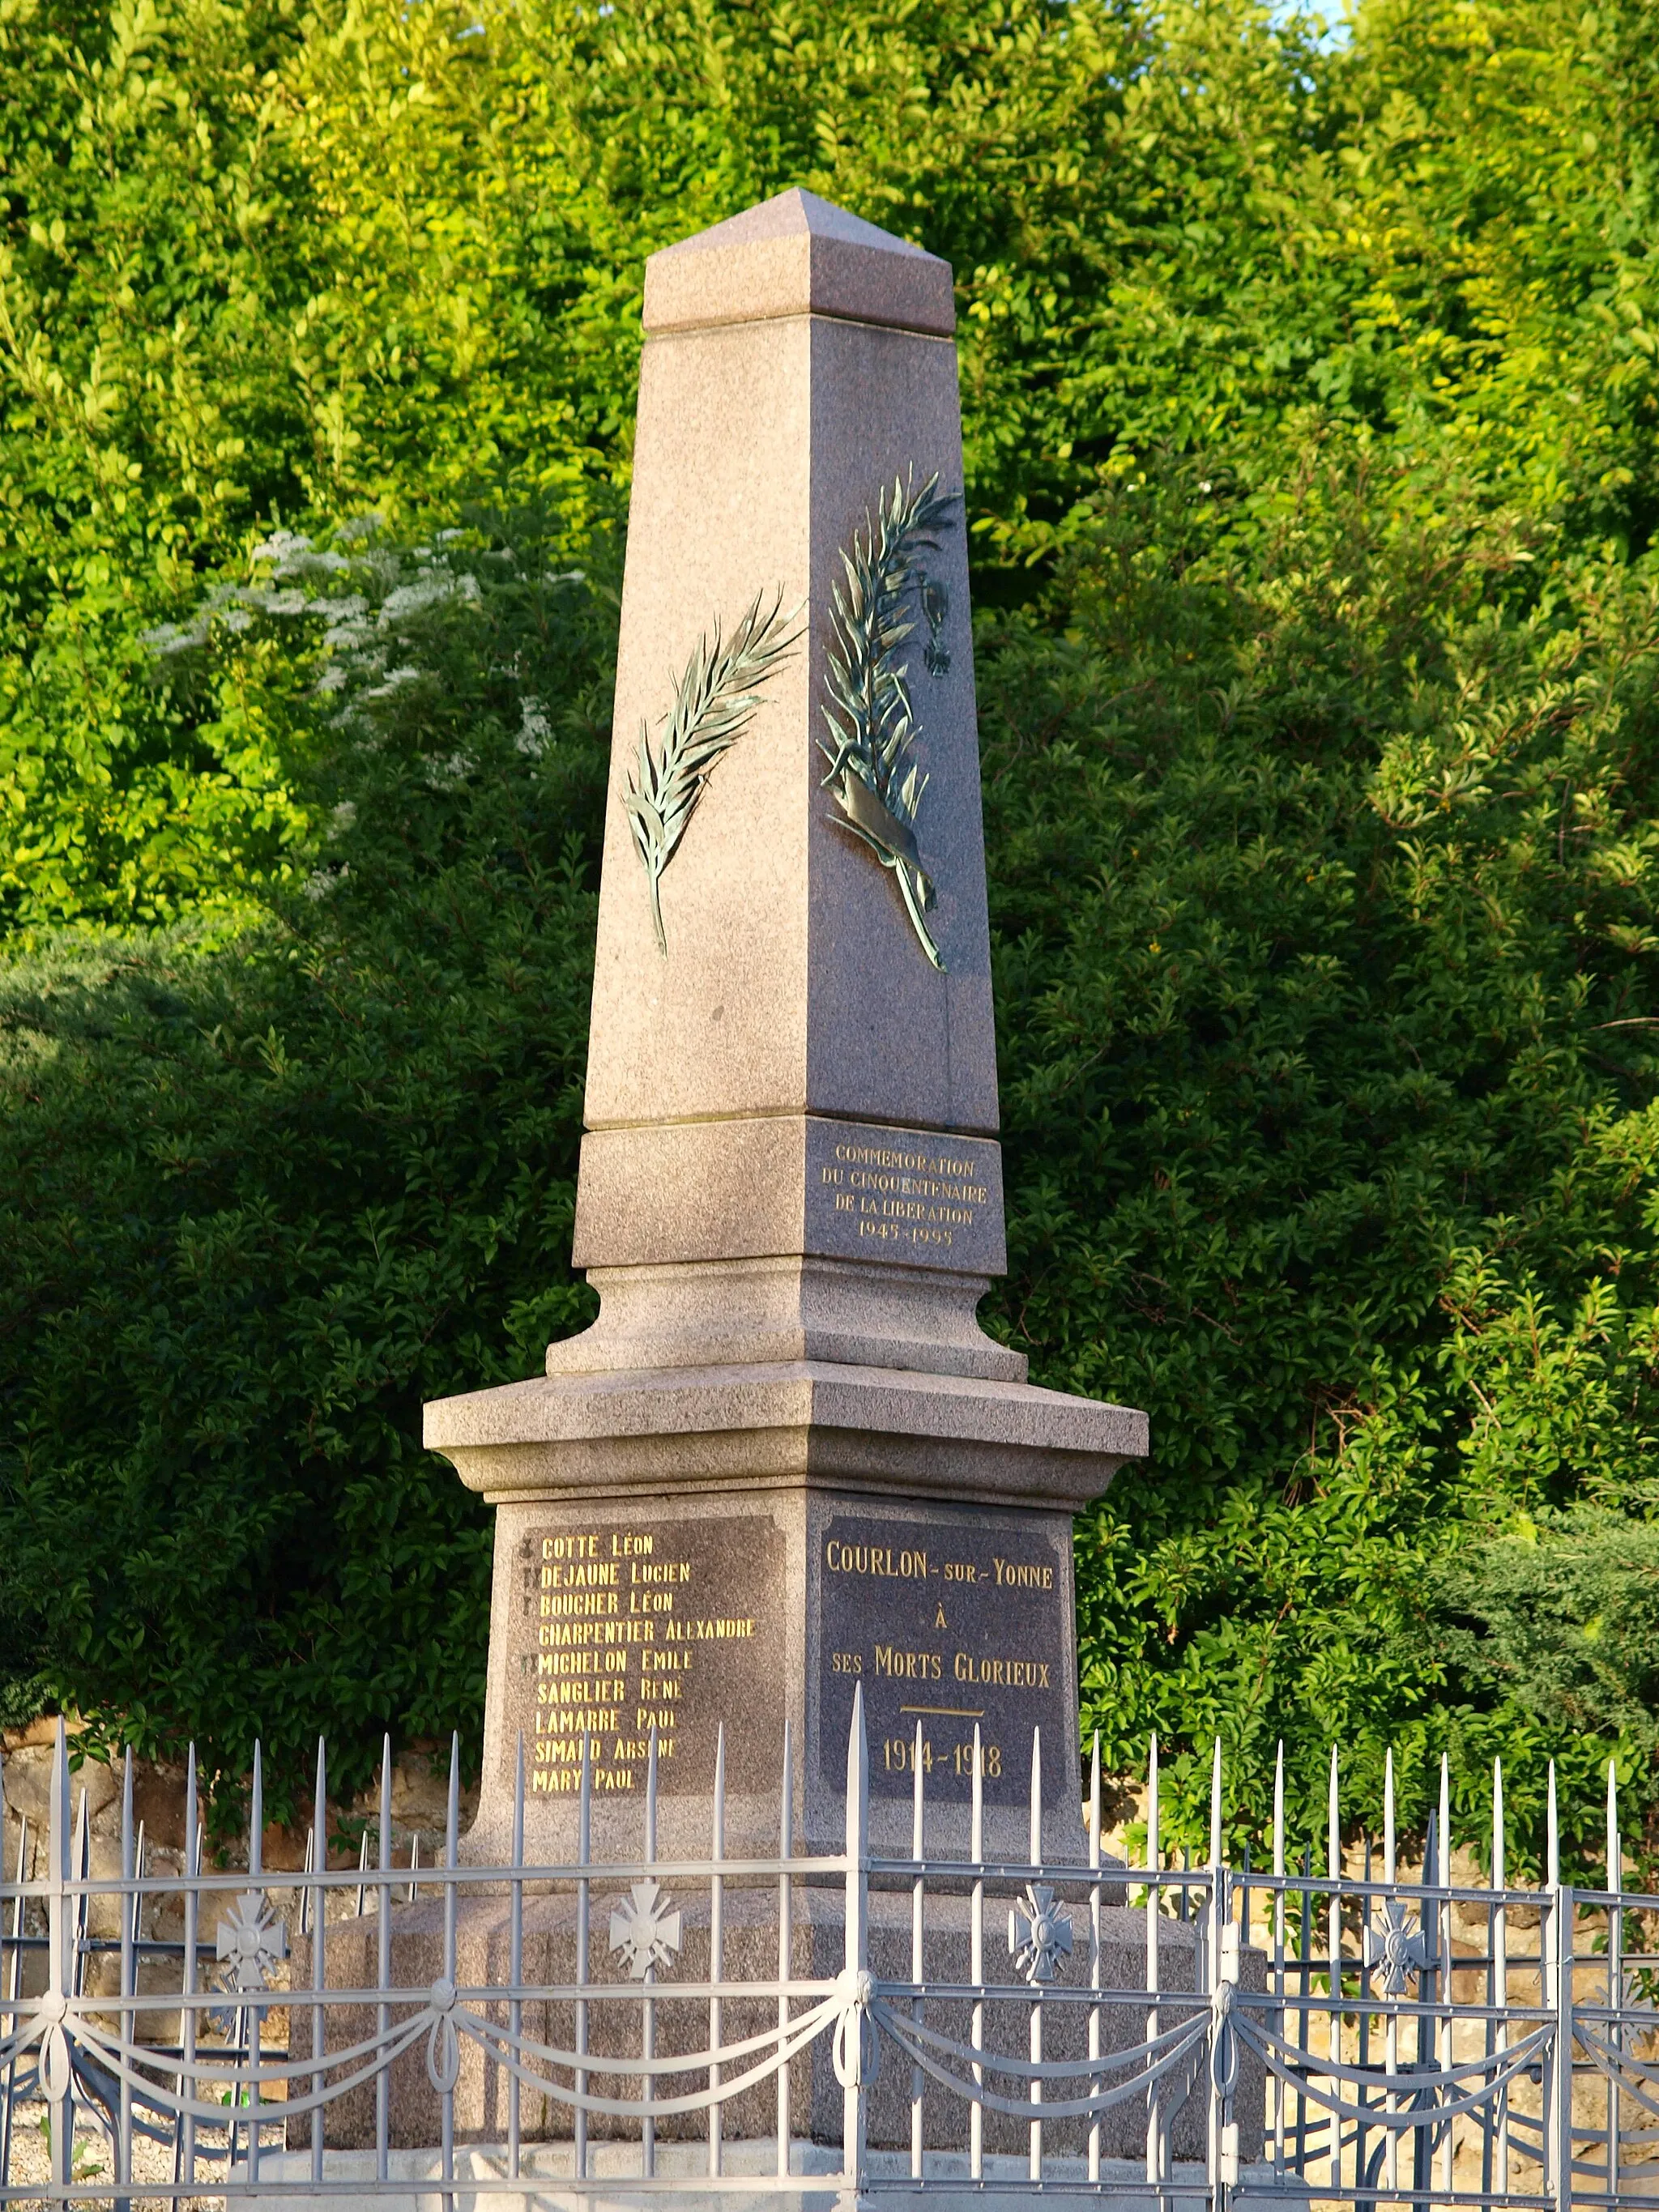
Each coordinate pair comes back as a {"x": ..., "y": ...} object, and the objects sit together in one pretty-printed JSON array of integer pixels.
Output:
[
  {"x": 1558, "y": 1623},
  {"x": 1309, "y": 408},
  {"x": 1329, "y": 1099},
  {"x": 262, "y": 260},
  {"x": 262, "y": 1202}
]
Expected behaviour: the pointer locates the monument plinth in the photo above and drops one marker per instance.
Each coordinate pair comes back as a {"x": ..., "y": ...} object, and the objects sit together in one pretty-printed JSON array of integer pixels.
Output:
[{"x": 786, "y": 1461}]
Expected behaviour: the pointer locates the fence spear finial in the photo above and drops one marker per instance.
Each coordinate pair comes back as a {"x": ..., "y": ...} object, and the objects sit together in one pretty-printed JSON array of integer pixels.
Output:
[
  {"x": 1615, "y": 1851},
  {"x": 1215, "y": 1805}
]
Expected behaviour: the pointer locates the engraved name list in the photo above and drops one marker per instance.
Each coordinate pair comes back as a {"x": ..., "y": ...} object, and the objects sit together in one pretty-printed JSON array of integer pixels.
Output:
[{"x": 625, "y": 1627}]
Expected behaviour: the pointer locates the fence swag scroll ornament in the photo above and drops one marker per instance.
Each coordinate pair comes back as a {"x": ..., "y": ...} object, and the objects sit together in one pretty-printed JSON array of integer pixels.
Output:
[{"x": 1517, "y": 2068}]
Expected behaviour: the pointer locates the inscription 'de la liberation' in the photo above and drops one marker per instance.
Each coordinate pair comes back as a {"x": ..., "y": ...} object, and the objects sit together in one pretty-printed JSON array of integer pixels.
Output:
[
  {"x": 904, "y": 1196},
  {"x": 636, "y": 1625}
]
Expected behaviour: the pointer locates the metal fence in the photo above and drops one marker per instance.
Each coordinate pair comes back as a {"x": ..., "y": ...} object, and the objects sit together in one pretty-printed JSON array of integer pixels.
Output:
[{"x": 818, "y": 2024}]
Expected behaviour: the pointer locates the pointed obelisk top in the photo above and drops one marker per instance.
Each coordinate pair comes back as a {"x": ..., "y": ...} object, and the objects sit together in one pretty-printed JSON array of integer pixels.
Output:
[
  {"x": 797, "y": 214},
  {"x": 797, "y": 254}
]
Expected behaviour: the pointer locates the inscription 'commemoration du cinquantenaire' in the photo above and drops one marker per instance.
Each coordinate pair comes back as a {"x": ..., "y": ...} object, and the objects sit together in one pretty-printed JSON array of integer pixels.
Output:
[
  {"x": 625, "y": 1625},
  {"x": 945, "y": 1625},
  {"x": 888, "y": 1193}
]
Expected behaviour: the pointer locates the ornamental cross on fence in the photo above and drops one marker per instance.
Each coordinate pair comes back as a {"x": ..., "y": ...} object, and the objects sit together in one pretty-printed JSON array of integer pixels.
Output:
[
  {"x": 644, "y": 1930},
  {"x": 251, "y": 1941},
  {"x": 1395, "y": 1947},
  {"x": 1040, "y": 1934}
]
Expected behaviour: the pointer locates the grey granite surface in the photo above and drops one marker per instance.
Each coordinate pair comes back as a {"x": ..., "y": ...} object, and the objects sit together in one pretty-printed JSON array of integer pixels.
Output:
[{"x": 791, "y": 1194}]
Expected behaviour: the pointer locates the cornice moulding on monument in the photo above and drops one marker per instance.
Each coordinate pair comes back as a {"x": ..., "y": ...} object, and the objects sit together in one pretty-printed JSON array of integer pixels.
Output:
[{"x": 907, "y": 1433}]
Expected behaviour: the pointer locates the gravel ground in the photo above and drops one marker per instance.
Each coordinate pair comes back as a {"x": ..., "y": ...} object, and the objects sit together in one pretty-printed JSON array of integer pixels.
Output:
[{"x": 95, "y": 2162}]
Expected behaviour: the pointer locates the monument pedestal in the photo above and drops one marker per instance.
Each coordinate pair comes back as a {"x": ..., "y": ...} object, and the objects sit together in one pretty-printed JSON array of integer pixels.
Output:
[{"x": 753, "y": 1570}]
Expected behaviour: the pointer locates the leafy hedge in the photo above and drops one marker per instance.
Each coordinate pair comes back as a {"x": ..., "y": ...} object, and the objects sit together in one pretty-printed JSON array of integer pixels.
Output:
[
  {"x": 1325, "y": 935},
  {"x": 264, "y": 260},
  {"x": 265, "y": 1197},
  {"x": 1310, "y": 397}
]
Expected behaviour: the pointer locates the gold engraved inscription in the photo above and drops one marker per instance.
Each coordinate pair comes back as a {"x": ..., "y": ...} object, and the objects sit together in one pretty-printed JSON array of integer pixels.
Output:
[
  {"x": 900, "y": 1194},
  {"x": 950, "y": 1627},
  {"x": 618, "y": 1628}
]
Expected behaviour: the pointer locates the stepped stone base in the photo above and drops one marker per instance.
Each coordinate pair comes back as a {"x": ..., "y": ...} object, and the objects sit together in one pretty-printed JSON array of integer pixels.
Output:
[{"x": 546, "y": 2171}]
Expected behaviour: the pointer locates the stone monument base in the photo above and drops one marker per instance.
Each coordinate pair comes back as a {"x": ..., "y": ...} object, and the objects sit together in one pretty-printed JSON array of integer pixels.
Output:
[{"x": 751, "y": 1956}]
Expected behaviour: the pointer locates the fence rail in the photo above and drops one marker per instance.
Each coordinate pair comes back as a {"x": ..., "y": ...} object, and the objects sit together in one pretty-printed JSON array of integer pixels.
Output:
[{"x": 808, "y": 2024}]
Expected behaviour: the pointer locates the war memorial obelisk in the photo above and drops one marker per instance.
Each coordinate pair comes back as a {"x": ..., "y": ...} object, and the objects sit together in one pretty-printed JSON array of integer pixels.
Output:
[{"x": 786, "y": 1461}]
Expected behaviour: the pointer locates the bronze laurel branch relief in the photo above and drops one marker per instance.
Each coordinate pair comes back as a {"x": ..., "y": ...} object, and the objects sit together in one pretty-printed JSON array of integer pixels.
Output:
[
  {"x": 713, "y": 704},
  {"x": 873, "y": 778}
]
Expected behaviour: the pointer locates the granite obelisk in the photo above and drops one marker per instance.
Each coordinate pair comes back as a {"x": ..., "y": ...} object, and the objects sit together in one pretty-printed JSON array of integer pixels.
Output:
[{"x": 786, "y": 1461}]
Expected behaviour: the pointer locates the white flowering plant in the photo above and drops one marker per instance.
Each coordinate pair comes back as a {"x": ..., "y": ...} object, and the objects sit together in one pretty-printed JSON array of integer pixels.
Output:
[{"x": 377, "y": 663}]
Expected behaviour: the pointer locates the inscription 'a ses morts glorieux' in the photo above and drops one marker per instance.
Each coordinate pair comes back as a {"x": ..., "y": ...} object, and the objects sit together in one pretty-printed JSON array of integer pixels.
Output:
[
  {"x": 628, "y": 1626},
  {"x": 945, "y": 1626}
]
